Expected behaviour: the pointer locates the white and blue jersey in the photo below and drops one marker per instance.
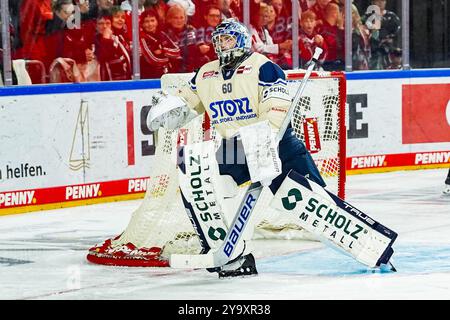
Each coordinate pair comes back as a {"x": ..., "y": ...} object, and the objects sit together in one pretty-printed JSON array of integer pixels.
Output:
[{"x": 254, "y": 91}]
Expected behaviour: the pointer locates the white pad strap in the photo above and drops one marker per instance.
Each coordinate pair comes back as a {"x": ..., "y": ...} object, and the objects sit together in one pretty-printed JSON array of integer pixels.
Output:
[
  {"x": 261, "y": 152},
  {"x": 334, "y": 221},
  {"x": 199, "y": 185}
]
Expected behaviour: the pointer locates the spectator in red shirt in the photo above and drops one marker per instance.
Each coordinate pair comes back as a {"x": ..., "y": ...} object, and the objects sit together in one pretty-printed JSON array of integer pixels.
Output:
[
  {"x": 33, "y": 16},
  {"x": 309, "y": 39},
  {"x": 201, "y": 10},
  {"x": 112, "y": 50},
  {"x": 203, "y": 32},
  {"x": 332, "y": 30},
  {"x": 319, "y": 9},
  {"x": 119, "y": 26},
  {"x": 65, "y": 35},
  {"x": 282, "y": 29},
  {"x": 126, "y": 6},
  {"x": 237, "y": 8},
  {"x": 277, "y": 31},
  {"x": 183, "y": 34},
  {"x": 156, "y": 47},
  {"x": 96, "y": 8},
  {"x": 305, "y": 5},
  {"x": 69, "y": 45},
  {"x": 262, "y": 42},
  {"x": 280, "y": 37},
  {"x": 284, "y": 15}
]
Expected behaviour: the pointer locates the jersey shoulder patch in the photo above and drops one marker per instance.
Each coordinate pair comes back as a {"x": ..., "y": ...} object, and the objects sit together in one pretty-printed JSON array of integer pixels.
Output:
[
  {"x": 273, "y": 81},
  {"x": 270, "y": 73}
]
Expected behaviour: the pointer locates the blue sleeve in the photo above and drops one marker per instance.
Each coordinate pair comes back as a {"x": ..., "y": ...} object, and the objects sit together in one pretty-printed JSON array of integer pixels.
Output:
[{"x": 270, "y": 73}]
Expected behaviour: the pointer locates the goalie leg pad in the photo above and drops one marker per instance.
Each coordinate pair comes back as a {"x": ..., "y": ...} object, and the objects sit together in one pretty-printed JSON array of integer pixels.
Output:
[
  {"x": 198, "y": 176},
  {"x": 334, "y": 221}
]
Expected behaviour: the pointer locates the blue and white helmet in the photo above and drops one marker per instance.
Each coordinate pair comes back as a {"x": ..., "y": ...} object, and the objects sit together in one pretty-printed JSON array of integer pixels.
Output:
[{"x": 231, "y": 40}]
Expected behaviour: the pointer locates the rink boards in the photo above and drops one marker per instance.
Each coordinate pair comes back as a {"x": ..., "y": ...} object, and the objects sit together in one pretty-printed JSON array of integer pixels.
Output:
[{"x": 74, "y": 144}]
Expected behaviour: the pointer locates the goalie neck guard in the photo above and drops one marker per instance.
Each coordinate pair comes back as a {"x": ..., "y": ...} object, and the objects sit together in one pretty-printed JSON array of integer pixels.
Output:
[{"x": 232, "y": 42}]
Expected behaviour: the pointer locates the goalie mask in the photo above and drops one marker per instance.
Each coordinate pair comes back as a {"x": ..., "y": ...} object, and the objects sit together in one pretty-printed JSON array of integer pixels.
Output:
[{"x": 231, "y": 41}]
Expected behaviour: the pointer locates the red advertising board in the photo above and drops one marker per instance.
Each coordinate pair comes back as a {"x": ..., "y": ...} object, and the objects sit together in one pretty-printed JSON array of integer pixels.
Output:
[{"x": 425, "y": 114}]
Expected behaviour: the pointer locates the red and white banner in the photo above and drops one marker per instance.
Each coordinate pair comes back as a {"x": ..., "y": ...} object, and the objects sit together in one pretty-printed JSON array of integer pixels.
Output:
[{"x": 84, "y": 193}]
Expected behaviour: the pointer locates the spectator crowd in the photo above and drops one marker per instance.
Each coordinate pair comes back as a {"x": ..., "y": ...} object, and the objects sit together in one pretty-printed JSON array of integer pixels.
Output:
[{"x": 91, "y": 40}]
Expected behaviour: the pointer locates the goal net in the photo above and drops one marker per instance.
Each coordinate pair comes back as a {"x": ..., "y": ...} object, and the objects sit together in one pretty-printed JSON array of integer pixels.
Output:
[{"x": 160, "y": 226}]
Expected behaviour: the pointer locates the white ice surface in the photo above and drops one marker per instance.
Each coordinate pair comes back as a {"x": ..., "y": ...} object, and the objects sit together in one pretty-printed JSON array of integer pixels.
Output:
[{"x": 42, "y": 254}]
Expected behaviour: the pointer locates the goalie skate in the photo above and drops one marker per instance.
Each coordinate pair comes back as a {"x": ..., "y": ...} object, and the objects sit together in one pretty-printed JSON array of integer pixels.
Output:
[
  {"x": 242, "y": 266},
  {"x": 446, "y": 190}
]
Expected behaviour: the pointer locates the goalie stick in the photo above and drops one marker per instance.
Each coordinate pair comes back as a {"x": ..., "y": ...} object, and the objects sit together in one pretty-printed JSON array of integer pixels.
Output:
[{"x": 233, "y": 241}]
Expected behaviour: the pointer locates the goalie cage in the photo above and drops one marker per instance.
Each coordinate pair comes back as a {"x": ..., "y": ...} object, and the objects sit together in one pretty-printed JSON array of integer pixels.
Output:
[{"x": 160, "y": 226}]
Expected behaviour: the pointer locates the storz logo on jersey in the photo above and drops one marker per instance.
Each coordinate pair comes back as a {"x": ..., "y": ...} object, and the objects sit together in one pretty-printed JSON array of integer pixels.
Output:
[{"x": 229, "y": 110}]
